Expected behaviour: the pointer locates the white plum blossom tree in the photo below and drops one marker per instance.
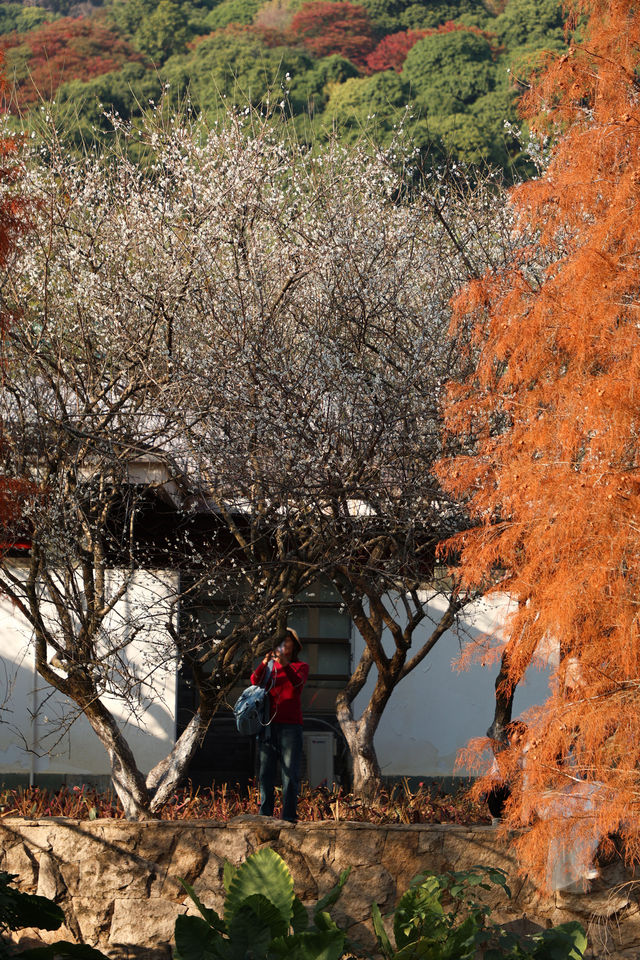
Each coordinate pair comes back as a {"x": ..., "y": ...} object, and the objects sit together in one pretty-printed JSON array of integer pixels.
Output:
[{"x": 244, "y": 330}]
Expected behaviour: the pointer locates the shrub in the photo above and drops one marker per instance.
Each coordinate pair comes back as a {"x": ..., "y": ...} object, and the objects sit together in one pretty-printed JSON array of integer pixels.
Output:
[
  {"x": 439, "y": 918},
  {"x": 262, "y": 918}
]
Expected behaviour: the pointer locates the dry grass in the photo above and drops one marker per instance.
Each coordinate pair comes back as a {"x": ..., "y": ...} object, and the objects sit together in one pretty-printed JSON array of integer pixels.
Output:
[{"x": 222, "y": 802}]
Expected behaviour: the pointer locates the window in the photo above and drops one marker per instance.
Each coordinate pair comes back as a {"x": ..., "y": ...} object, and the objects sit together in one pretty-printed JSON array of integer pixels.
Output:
[{"x": 324, "y": 626}]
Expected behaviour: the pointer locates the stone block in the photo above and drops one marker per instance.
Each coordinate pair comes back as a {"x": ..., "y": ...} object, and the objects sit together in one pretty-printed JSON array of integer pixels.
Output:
[
  {"x": 50, "y": 883},
  {"x": 141, "y": 921},
  {"x": 363, "y": 935},
  {"x": 401, "y": 859},
  {"x": 113, "y": 872},
  {"x": 318, "y": 848},
  {"x": 18, "y": 860},
  {"x": 186, "y": 861},
  {"x": 303, "y": 879},
  {"x": 463, "y": 849},
  {"x": 93, "y": 917},
  {"x": 38, "y": 937},
  {"x": 208, "y": 886},
  {"x": 431, "y": 844},
  {"x": 358, "y": 847},
  {"x": 233, "y": 842},
  {"x": 364, "y": 886},
  {"x": 151, "y": 840}
]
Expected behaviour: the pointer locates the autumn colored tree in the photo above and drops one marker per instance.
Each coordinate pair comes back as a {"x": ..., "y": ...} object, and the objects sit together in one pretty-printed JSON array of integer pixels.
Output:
[
  {"x": 391, "y": 52},
  {"x": 344, "y": 28},
  {"x": 13, "y": 221},
  {"x": 37, "y": 62},
  {"x": 553, "y": 476}
]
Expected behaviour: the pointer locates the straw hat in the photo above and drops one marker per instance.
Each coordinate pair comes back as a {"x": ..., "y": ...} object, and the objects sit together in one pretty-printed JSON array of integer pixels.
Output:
[{"x": 296, "y": 639}]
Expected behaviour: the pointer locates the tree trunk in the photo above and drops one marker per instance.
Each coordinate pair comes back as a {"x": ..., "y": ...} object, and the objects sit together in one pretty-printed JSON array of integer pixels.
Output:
[
  {"x": 505, "y": 692},
  {"x": 167, "y": 775},
  {"x": 359, "y": 734},
  {"x": 128, "y": 781},
  {"x": 505, "y": 686},
  {"x": 367, "y": 776}
]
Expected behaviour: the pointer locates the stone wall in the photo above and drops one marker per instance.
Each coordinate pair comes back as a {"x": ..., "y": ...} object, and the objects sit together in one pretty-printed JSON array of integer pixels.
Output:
[{"x": 117, "y": 881}]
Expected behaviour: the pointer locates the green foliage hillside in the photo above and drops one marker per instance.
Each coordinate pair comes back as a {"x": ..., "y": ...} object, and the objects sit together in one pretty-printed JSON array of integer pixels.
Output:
[{"x": 448, "y": 70}]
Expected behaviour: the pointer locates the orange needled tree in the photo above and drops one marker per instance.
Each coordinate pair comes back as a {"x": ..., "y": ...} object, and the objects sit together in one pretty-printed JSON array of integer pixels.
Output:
[{"x": 552, "y": 419}]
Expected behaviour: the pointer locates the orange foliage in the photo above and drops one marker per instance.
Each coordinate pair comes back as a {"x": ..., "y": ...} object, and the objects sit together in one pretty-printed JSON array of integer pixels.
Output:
[
  {"x": 553, "y": 417},
  {"x": 66, "y": 49}
]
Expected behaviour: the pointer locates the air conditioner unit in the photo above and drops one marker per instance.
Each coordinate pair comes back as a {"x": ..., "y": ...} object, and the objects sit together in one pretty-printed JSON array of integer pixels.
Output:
[{"x": 318, "y": 766}]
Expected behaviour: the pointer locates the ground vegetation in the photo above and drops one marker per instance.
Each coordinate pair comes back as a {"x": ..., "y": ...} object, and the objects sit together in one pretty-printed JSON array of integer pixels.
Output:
[{"x": 400, "y": 804}]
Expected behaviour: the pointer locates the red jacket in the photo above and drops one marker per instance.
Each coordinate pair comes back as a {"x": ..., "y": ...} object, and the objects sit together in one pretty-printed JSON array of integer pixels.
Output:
[{"x": 284, "y": 695}]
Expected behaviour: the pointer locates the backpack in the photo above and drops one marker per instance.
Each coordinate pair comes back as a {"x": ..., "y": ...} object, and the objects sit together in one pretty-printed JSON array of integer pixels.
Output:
[{"x": 251, "y": 709}]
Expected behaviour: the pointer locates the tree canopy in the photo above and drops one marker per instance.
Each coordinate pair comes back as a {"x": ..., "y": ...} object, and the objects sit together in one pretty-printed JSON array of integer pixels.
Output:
[
  {"x": 554, "y": 480},
  {"x": 451, "y": 56}
]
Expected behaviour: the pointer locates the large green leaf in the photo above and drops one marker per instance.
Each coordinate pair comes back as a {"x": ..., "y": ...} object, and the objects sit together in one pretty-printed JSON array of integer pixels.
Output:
[
  {"x": 420, "y": 913},
  {"x": 567, "y": 941},
  {"x": 228, "y": 873},
  {"x": 310, "y": 946},
  {"x": 324, "y": 922},
  {"x": 195, "y": 939},
  {"x": 18, "y": 910},
  {"x": 383, "y": 940},
  {"x": 63, "y": 949},
  {"x": 260, "y": 913},
  {"x": 300, "y": 917},
  {"x": 250, "y": 933},
  {"x": 265, "y": 873},
  {"x": 208, "y": 913}
]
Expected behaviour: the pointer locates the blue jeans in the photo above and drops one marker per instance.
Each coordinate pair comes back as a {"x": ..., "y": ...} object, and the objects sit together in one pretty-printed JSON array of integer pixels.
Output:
[{"x": 280, "y": 742}]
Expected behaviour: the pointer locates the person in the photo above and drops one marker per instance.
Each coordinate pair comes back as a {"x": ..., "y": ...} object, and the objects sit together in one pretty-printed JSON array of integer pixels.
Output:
[{"x": 281, "y": 739}]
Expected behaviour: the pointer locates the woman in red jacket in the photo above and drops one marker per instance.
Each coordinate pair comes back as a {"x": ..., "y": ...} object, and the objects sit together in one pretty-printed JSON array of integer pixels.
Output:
[{"x": 281, "y": 740}]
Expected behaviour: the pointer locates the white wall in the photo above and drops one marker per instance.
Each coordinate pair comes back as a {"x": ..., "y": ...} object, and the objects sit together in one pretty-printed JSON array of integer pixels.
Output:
[
  {"x": 437, "y": 709},
  {"x": 432, "y": 714},
  {"x": 39, "y": 731}
]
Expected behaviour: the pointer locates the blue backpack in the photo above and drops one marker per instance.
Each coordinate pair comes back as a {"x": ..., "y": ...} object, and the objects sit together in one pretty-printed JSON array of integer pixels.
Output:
[{"x": 251, "y": 709}]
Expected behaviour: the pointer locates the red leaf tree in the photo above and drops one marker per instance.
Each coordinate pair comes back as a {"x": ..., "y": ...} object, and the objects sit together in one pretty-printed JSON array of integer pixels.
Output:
[
  {"x": 343, "y": 28},
  {"x": 391, "y": 52},
  {"x": 67, "y": 49},
  {"x": 14, "y": 211},
  {"x": 553, "y": 479}
]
